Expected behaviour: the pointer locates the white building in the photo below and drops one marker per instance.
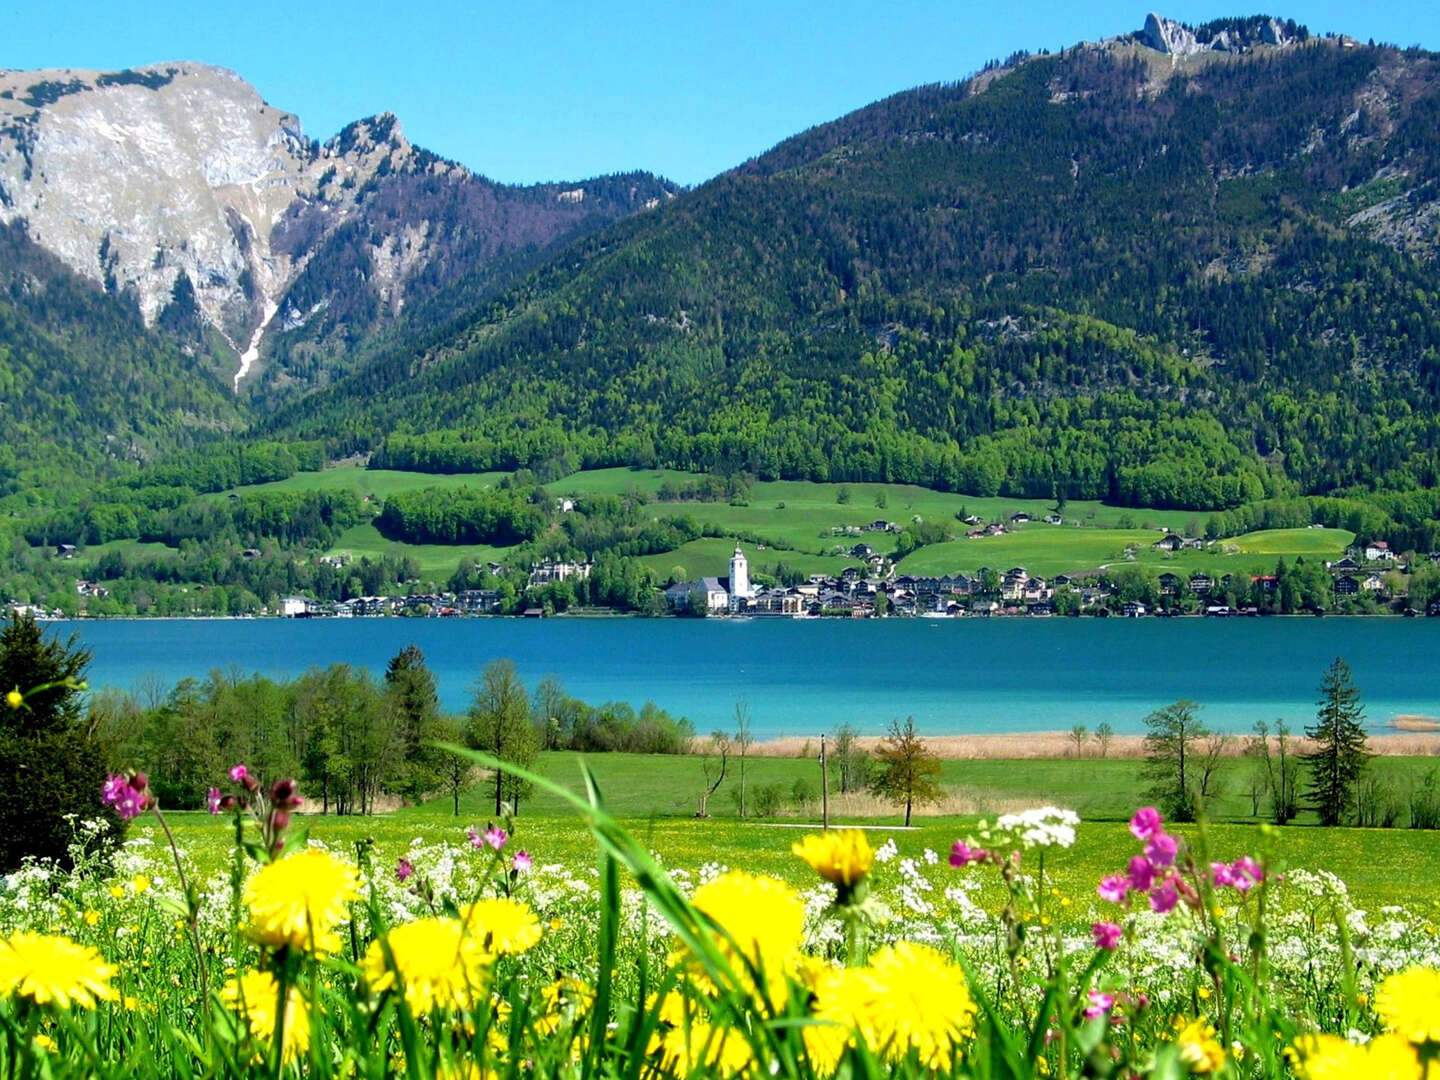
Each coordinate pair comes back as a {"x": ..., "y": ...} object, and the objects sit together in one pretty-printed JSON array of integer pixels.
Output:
[{"x": 741, "y": 591}]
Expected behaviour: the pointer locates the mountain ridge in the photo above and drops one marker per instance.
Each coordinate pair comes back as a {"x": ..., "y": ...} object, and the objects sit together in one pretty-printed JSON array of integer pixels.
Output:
[{"x": 202, "y": 179}]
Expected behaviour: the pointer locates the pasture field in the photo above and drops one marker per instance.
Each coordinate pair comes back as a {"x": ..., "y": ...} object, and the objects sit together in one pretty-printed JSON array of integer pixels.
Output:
[
  {"x": 1098, "y": 789},
  {"x": 377, "y": 483},
  {"x": 710, "y": 557},
  {"x": 437, "y": 561},
  {"x": 1379, "y": 867},
  {"x": 801, "y": 516},
  {"x": 655, "y": 796},
  {"x": 388, "y": 920}
]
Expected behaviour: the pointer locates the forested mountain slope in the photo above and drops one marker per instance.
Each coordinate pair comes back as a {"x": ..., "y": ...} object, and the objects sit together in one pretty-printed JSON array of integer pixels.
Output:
[
  {"x": 83, "y": 384},
  {"x": 1170, "y": 278}
]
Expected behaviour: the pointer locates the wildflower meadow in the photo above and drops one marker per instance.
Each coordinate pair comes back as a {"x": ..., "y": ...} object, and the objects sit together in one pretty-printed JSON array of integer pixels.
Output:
[{"x": 475, "y": 953}]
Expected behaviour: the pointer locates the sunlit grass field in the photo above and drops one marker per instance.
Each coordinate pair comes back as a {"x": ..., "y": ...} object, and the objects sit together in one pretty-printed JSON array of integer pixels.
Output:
[
  {"x": 796, "y": 520},
  {"x": 656, "y": 796}
]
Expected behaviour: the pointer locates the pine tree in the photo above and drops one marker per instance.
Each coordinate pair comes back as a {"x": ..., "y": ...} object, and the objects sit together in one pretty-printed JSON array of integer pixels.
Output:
[
  {"x": 50, "y": 766},
  {"x": 1340, "y": 755},
  {"x": 410, "y": 685}
]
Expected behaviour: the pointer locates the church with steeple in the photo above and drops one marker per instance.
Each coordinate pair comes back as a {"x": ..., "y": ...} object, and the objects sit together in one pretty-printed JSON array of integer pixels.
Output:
[{"x": 740, "y": 589}]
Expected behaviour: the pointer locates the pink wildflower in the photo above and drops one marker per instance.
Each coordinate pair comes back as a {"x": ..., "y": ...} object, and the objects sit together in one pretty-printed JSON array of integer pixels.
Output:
[
  {"x": 1100, "y": 1004},
  {"x": 962, "y": 854},
  {"x": 126, "y": 795},
  {"x": 475, "y": 839},
  {"x": 403, "y": 869},
  {"x": 1141, "y": 873},
  {"x": 522, "y": 862},
  {"x": 239, "y": 773},
  {"x": 1160, "y": 849},
  {"x": 213, "y": 800},
  {"x": 1164, "y": 897},
  {"x": 1245, "y": 873},
  {"x": 1146, "y": 823},
  {"x": 1113, "y": 888},
  {"x": 1107, "y": 935},
  {"x": 496, "y": 837}
]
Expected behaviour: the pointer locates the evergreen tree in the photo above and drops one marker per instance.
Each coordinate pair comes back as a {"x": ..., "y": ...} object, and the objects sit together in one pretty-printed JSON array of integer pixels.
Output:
[
  {"x": 1340, "y": 755},
  {"x": 50, "y": 766},
  {"x": 1171, "y": 758},
  {"x": 410, "y": 685}
]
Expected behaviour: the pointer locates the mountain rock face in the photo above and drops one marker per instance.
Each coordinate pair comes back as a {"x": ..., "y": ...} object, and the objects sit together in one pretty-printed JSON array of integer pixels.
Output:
[
  {"x": 1231, "y": 35},
  {"x": 178, "y": 186}
]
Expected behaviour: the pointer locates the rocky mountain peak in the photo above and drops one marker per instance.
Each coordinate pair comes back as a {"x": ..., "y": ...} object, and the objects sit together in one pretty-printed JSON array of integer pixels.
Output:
[
  {"x": 1222, "y": 35},
  {"x": 178, "y": 184}
]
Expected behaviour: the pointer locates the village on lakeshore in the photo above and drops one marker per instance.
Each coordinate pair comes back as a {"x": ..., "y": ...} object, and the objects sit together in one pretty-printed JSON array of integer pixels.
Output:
[{"x": 876, "y": 586}]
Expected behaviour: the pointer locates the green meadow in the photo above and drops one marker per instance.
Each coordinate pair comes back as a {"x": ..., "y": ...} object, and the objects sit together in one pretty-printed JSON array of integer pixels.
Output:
[
  {"x": 655, "y": 797},
  {"x": 796, "y": 522}
]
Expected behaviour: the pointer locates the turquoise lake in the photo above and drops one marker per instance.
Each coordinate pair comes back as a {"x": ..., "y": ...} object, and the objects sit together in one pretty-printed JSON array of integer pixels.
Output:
[{"x": 802, "y": 677}]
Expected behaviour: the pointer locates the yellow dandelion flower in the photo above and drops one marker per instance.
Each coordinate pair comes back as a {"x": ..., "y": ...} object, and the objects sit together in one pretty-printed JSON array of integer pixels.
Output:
[
  {"x": 764, "y": 918},
  {"x": 503, "y": 925},
  {"x": 117, "y": 892},
  {"x": 722, "y": 1051},
  {"x": 845, "y": 1008},
  {"x": 301, "y": 900},
  {"x": 1409, "y": 1004},
  {"x": 840, "y": 856},
  {"x": 91, "y": 917},
  {"x": 45, "y": 1042},
  {"x": 557, "y": 924},
  {"x": 922, "y": 1003},
  {"x": 1199, "y": 1052},
  {"x": 255, "y": 998},
  {"x": 1329, "y": 1057},
  {"x": 14, "y": 698},
  {"x": 54, "y": 970},
  {"x": 140, "y": 884},
  {"x": 439, "y": 964},
  {"x": 565, "y": 1000}
]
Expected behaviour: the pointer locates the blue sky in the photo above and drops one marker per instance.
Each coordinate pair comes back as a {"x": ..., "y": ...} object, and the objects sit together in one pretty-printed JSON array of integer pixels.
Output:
[{"x": 563, "y": 90}]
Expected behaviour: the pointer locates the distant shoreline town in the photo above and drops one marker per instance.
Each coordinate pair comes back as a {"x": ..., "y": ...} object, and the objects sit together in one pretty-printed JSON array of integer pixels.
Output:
[{"x": 874, "y": 589}]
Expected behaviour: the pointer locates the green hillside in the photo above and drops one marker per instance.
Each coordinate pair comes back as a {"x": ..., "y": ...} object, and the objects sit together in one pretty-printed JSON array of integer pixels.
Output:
[{"x": 1097, "y": 274}]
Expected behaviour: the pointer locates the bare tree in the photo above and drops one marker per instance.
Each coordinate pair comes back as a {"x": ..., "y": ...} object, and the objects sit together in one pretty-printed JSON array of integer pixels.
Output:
[
  {"x": 1257, "y": 748},
  {"x": 714, "y": 775},
  {"x": 1078, "y": 734},
  {"x": 456, "y": 771},
  {"x": 548, "y": 709},
  {"x": 852, "y": 763},
  {"x": 744, "y": 739},
  {"x": 1104, "y": 736},
  {"x": 1212, "y": 759}
]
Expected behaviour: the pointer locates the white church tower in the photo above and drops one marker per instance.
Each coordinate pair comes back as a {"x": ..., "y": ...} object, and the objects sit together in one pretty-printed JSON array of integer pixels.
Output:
[{"x": 740, "y": 589}]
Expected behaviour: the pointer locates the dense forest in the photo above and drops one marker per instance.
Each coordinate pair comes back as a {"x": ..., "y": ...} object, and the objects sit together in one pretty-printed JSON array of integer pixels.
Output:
[{"x": 1086, "y": 272}]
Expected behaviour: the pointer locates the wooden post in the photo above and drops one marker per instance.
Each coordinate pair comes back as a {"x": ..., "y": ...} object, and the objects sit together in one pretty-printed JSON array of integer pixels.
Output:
[{"x": 824, "y": 786}]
